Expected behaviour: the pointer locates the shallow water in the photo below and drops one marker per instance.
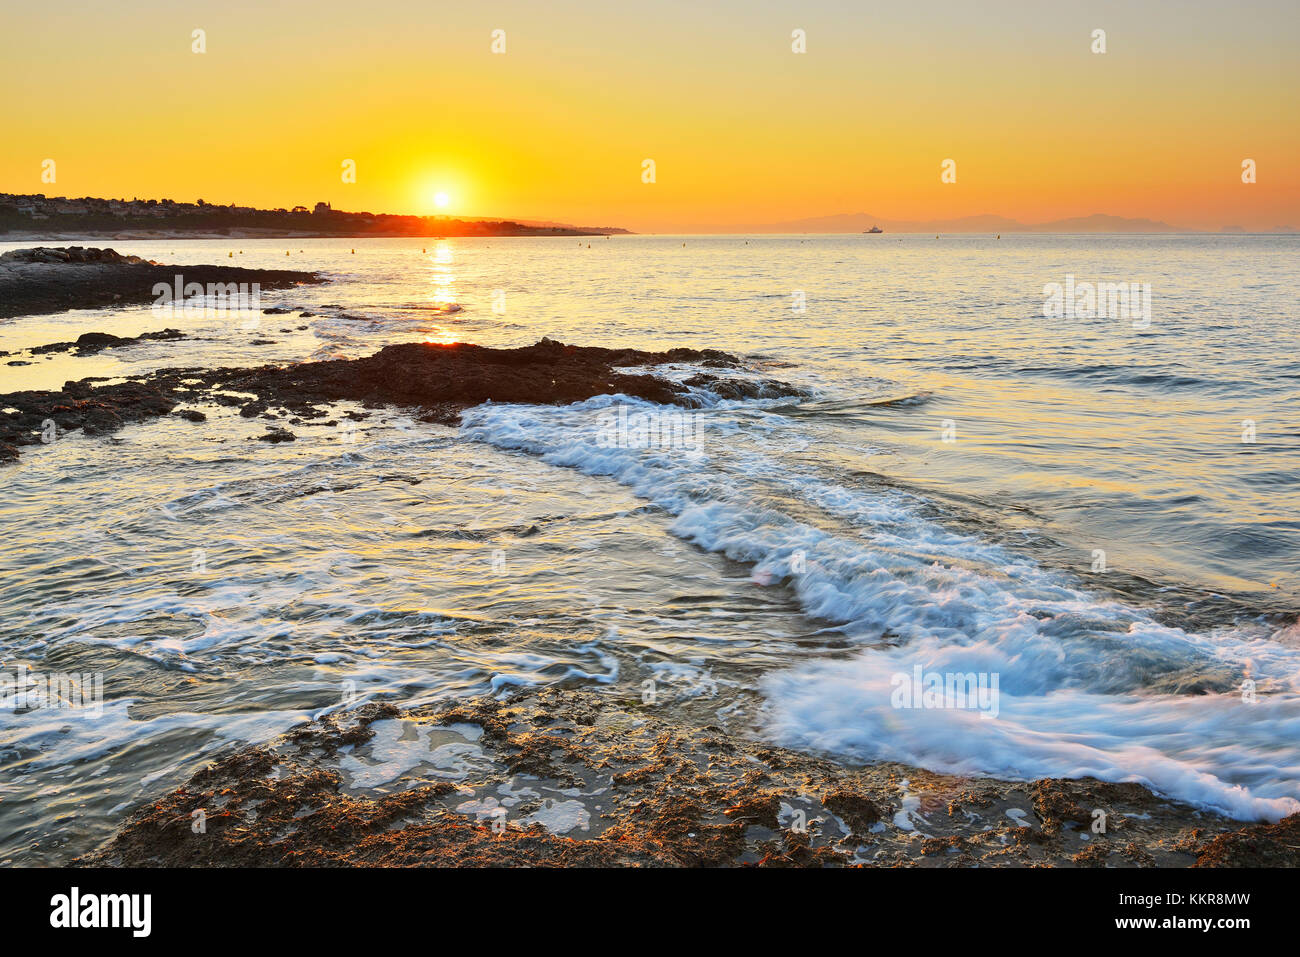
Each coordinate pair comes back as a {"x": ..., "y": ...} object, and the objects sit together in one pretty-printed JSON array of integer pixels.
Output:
[{"x": 778, "y": 571}]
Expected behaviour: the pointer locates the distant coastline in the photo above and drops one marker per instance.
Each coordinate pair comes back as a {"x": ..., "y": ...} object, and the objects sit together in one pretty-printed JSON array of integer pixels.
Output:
[
  {"x": 986, "y": 223},
  {"x": 36, "y": 216}
]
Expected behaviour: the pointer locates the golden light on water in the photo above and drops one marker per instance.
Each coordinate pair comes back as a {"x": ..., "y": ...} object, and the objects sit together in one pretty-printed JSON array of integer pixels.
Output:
[
  {"x": 441, "y": 276},
  {"x": 439, "y": 336}
]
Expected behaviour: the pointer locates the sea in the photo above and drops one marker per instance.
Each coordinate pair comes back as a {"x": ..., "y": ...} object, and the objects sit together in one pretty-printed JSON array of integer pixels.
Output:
[{"x": 1064, "y": 468}]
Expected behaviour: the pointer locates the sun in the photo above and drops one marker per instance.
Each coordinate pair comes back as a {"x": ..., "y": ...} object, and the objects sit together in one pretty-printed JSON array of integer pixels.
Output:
[{"x": 441, "y": 200}]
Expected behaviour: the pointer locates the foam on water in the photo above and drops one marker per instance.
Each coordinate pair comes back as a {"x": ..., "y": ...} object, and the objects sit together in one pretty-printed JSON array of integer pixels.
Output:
[{"x": 1083, "y": 677}]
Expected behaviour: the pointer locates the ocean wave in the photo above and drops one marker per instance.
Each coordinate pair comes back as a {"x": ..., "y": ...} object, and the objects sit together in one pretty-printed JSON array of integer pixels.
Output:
[{"x": 1085, "y": 678}]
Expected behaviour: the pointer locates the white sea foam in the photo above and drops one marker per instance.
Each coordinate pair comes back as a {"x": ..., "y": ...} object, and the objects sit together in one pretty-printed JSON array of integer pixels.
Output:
[
  {"x": 1075, "y": 668},
  {"x": 1214, "y": 751},
  {"x": 559, "y": 817},
  {"x": 53, "y": 738},
  {"x": 399, "y": 746}
]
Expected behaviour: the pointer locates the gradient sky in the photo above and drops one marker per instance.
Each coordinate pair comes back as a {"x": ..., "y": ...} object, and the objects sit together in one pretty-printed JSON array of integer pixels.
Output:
[{"x": 742, "y": 129}]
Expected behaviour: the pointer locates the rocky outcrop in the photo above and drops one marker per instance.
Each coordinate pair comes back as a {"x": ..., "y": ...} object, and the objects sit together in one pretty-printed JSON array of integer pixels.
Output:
[
  {"x": 68, "y": 254},
  {"x": 560, "y": 778},
  {"x": 441, "y": 380},
  {"x": 47, "y": 279},
  {"x": 437, "y": 381},
  {"x": 90, "y": 343}
]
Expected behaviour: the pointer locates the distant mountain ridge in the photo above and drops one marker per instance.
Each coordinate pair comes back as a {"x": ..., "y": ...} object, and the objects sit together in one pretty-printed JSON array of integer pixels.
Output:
[{"x": 985, "y": 223}]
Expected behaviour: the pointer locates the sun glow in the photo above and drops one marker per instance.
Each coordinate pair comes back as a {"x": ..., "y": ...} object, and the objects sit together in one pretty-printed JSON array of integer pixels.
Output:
[
  {"x": 439, "y": 336},
  {"x": 441, "y": 200}
]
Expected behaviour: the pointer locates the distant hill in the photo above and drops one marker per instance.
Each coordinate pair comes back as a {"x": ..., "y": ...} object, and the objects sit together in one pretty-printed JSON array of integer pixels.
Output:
[
  {"x": 986, "y": 223},
  {"x": 39, "y": 215},
  {"x": 595, "y": 230}
]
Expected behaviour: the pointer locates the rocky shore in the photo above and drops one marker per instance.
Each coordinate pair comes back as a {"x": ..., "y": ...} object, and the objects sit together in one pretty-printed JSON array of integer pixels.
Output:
[
  {"x": 438, "y": 381},
  {"x": 47, "y": 279},
  {"x": 561, "y": 778}
]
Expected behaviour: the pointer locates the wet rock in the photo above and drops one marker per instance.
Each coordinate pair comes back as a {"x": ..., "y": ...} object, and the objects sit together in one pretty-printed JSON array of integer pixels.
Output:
[
  {"x": 1260, "y": 845},
  {"x": 856, "y": 809},
  {"x": 440, "y": 380},
  {"x": 732, "y": 388},
  {"x": 80, "y": 405},
  {"x": 90, "y": 343},
  {"x": 53, "y": 279},
  {"x": 100, "y": 420},
  {"x": 436, "y": 382},
  {"x": 277, "y": 436},
  {"x": 654, "y": 789},
  {"x": 66, "y": 254}
]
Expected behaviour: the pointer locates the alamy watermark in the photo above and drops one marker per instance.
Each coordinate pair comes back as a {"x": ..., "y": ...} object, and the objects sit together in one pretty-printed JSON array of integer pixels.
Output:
[
  {"x": 621, "y": 428},
  {"x": 75, "y": 909},
  {"x": 23, "y": 690},
  {"x": 218, "y": 298},
  {"x": 1101, "y": 300},
  {"x": 976, "y": 691}
]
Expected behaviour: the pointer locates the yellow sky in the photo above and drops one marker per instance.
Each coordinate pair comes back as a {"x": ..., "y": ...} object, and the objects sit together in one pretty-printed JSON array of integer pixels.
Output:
[{"x": 741, "y": 129}]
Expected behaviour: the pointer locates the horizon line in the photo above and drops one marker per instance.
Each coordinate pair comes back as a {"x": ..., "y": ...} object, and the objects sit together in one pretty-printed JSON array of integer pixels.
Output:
[{"x": 1012, "y": 225}]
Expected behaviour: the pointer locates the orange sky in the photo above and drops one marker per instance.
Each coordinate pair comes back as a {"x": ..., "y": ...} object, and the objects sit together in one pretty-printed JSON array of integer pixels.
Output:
[{"x": 741, "y": 129}]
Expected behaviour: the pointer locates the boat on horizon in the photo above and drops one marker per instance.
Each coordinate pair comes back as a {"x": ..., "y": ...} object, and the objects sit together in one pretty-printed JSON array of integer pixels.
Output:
[{"x": 873, "y": 229}]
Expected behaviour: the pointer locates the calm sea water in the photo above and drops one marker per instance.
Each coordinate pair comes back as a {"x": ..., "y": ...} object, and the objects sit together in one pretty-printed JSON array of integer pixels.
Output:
[{"x": 1102, "y": 513}]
